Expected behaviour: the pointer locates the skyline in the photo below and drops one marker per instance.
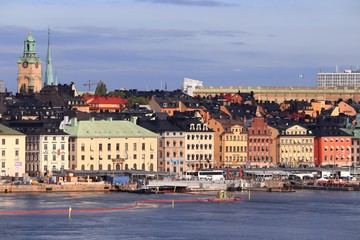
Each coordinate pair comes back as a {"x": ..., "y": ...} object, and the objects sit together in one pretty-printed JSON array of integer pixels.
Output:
[{"x": 147, "y": 43}]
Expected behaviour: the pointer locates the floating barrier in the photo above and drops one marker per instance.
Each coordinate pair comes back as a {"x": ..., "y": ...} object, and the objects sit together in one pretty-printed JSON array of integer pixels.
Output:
[{"x": 132, "y": 206}]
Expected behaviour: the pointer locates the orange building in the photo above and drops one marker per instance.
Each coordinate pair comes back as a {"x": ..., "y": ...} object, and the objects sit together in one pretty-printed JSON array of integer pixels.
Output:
[
  {"x": 29, "y": 68},
  {"x": 98, "y": 103}
]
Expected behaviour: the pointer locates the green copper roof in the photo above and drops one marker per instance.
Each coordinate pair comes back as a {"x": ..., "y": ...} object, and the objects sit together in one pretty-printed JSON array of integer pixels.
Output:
[
  {"x": 108, "y": 128},
  {"x": 29, "y": 38},
  {"x": 8, "y": 131}
]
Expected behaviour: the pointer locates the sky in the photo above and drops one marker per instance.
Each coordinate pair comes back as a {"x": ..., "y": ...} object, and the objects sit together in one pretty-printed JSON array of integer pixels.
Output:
[{"x": 147, "y": 44}]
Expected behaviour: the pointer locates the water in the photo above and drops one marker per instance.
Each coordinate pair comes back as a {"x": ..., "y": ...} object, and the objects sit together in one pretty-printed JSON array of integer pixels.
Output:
[{"x": 299, "y": 215}]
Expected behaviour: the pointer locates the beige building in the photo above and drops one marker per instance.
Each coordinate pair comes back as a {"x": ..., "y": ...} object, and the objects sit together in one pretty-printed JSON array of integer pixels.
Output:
[
  {"x": 111, "y": 145},
  {"x": 296, "y": 146},
  {"x": 12, "y": 158},
  {"x": 280, "y": 94},
  {"x": 46, "y": 151}
]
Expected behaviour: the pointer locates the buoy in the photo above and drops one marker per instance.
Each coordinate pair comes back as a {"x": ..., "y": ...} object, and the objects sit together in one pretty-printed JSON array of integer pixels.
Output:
[
  {"x": 249, "y": 194},
  {"x": 70, "y": 212}
]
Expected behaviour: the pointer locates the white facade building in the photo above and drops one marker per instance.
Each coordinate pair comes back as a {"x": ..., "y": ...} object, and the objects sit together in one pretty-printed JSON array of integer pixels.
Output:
[
  {"x": 348, "y": 78},
  {"x": 189, "y": 85}
]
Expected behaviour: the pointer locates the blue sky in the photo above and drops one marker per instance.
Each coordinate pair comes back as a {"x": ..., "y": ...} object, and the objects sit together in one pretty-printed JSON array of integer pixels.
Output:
[{"x": 145, "y": 43}]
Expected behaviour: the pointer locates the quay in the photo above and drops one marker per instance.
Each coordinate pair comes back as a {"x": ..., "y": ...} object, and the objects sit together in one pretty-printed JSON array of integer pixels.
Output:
[
  {"x": 83, "y": 187},
  {"x": 329, "y": 188}
]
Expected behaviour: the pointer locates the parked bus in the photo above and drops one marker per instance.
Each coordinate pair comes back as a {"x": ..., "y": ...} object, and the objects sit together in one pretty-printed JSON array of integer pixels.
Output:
[
  {"x": 212, "y": 175},
  {"x": 191, "y": 175}
]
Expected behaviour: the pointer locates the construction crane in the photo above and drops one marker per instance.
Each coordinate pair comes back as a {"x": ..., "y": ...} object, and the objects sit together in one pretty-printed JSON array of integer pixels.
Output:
[{"x": 89, "y": 84}]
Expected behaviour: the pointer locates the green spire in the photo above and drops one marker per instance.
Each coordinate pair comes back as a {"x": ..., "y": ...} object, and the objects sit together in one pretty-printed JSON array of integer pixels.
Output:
[{"x": 49, "y": 77}]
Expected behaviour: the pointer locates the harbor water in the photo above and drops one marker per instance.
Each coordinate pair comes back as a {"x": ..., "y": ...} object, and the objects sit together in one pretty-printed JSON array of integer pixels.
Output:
[{"x": 112, "y": 215}]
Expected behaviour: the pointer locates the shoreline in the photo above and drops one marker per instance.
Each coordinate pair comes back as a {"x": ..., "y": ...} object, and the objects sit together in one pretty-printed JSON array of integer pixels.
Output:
[{"x": 55, "y": 188}]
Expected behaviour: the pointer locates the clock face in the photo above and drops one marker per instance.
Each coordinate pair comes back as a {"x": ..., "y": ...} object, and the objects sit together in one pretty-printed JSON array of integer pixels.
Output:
[
  {"x": 36, "y": 64},
  {"x": 25, "y": 64}
]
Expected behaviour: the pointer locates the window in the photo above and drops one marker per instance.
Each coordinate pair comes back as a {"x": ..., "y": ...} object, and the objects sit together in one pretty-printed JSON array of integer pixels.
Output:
[
  {"x": 3, "y": 164},
  {"x": 62, "y": 146},
  {"x": 82, "y": 157},
  {"x": 83, "y": 147},
  {"x": 16, "y": 153},
  {"x": 54, "y": 158},
  {"x": 143, "y": 146},
  {"x": 17, "y": 141},
  {"x": 109, "y": 157},
  {"x": 126, "y": 146},
  {"x": 45, "y": 157},
  {"x": 109, "y": 147},
  {"x": 45, "y": 146},
  {"x": 134, "y": 146},
  {"x": 117, "y": 147},
  {"x": 100, "y": 147},
  {"x": 134, "y": 156}
]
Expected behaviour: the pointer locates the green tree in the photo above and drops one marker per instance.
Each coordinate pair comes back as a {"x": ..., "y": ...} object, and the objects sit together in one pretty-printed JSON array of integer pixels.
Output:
[
  {"x": 101, "y": 89},
  {"x": 134, "y": 99}
]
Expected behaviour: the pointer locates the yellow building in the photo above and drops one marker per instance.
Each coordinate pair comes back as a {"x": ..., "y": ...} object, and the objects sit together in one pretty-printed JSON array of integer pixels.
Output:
[
  {"x": 12, "y": 158},
  {"x": 111, "y": 145},
  {"x": 234, "y": 142}
]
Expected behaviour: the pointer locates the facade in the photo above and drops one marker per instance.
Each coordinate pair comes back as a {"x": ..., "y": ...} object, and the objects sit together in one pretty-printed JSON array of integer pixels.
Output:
[
  {"x": 234, "y": 142},
  {"x": 12, "y": 158},
  {"x": 171, "y": 150},
  {"x": 29, "y": 68},
  {"x": 332, "y": 145},
  {"x": 348, "y": 78},
  {"x": 46, "y": 151},
  {"x": 259, "y": 144},
  {"x": 111, "y": 145},
  {"x": 189, "y": 86},
  {"x": 199, "y": 144},
  {"x": 219, "y": 126},
  {"x": 296, "y": 147},
  {"x": 280, "y": 94}
]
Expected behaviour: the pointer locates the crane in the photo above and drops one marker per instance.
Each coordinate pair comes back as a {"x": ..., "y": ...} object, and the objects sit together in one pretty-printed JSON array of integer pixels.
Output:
[{"x": 89, "y": 84}]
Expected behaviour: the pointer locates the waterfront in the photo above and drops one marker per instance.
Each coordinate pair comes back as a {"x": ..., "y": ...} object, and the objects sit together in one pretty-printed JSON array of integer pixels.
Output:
[{"x": 298, "y": 215}]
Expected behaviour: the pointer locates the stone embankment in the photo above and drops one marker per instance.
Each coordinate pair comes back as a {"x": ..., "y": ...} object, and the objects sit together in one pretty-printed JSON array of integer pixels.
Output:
[{"x": 78, "y": 187}]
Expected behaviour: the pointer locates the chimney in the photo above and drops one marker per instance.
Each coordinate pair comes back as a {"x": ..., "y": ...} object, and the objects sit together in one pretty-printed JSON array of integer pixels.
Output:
[{"x": 74, "y": 122}]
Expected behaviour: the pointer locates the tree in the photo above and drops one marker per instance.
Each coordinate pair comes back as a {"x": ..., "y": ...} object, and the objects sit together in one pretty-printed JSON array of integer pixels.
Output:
[
  {"x": 101, "y": 89},
  {"x": 133, "y": 100}
]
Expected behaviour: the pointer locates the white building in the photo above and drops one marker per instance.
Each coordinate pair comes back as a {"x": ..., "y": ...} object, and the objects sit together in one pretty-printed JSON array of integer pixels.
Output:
[
  {"x": 348, "y": 78},
  {"x": 189, "y": 85}
]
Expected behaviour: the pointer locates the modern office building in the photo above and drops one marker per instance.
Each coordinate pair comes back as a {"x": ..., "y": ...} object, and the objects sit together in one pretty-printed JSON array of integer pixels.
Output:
[{"x": 348, "y": 78}]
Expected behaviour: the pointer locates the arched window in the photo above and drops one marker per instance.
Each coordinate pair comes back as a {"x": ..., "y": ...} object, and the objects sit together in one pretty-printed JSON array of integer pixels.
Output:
[
  {"x": 92, "y": 167},
  {"x": 83, "y": 167},
  {"x": 135, "y": 166},
  {"x": 143, "y": 166},
  {"x": 109, "y": 167},
  {"x": 100, "y": 167},
  {"x": 126, "y": 167}
]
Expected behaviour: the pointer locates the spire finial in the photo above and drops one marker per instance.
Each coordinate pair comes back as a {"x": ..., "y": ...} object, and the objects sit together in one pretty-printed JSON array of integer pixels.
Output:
[{"x": 29, "y": 29}]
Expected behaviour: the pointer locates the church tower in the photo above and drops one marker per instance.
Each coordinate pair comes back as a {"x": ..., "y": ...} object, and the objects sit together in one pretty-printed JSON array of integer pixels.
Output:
[
  {"x": 29, "y": 68},
  {"x": 49, "y": 77}
]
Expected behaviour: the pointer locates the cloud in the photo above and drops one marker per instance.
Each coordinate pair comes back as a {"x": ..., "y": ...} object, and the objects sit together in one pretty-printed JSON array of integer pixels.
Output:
[{"x": 202, "y": 3}]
